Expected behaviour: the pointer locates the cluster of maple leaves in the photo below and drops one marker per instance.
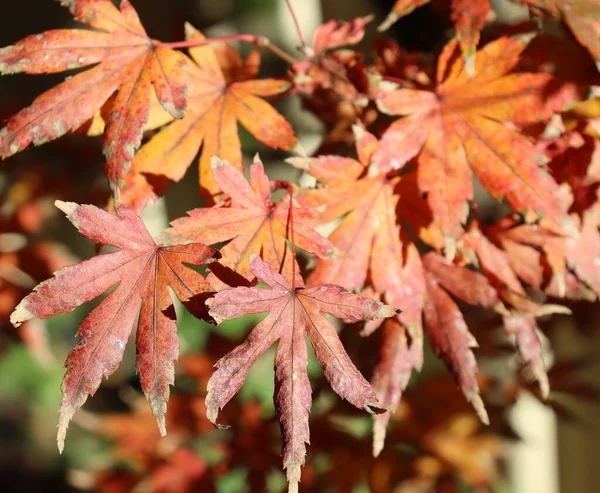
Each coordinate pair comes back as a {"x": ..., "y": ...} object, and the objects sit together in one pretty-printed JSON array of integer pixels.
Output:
[{"x": 395, "y": 175}]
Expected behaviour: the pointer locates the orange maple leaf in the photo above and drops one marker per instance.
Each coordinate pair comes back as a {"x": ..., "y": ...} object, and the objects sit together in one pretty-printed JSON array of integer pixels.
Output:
[
  {"x": 458, "y": 129},
  {"x": 129, "y": 63},
  {"x": 222, "y": 91},
  {"x": 253, "y": 222}
]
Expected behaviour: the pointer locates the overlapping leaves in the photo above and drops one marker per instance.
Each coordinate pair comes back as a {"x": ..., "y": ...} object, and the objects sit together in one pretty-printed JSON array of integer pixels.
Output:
[
  {"x": 129, "y": 65},
  {"x": 143, "y": 271},
  {"x": 458, "y": 129}
]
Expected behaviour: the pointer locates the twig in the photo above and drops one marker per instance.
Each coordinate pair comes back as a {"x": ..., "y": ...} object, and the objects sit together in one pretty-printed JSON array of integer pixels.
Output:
[
  {"x": 246, "y": 38},
  {"x": 297, "y": 24}
]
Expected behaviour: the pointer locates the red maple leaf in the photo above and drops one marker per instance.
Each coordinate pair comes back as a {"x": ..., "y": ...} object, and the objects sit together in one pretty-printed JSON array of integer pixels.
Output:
[
  {"x": 128, "y": 64},
  {"x": 143, "y": 270},
  {"x": 292, "y": 313}
]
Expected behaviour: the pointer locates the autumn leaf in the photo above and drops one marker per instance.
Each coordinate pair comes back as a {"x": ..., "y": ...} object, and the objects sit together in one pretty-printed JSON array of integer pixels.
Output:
[
  {"x": 292, "y": 312},
  {"x": 222, "y": 91},
  {"x": 446, "y": 328},
  {"x": 127, "y": 63},
  {"x": 581, "y": 16},
  {"x": 510, "y": 255},
  {"x": 459, "y": 129},
  {"x": 143, "y": 270},
  {"x": 364, "y": 196},
  {"x": 372, "y": 201},
  {"x": 398, "y": 358},
  {"x": 522, "y": 329},
  {"x": 468, "y": 17},
  {"x": 253, "y": 222},
  {"x": 326, "y": 66}
]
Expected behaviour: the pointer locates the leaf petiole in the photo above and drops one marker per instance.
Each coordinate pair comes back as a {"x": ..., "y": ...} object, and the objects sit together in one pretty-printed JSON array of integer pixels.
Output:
[{"x": 261, "y": 41}]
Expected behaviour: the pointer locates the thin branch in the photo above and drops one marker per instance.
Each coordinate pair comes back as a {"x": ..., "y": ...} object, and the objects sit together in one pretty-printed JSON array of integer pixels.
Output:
[
  {"x": 296, "y": 22},
  {"x": 246, "y": 38}
]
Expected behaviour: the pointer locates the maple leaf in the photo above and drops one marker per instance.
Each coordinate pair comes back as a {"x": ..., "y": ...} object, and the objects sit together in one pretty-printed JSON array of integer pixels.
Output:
[
  {"x": 366, "y": 198},
  {"x": 446, "y": 328},
  {"x": 325, "y": 65},
  {"x": 581, "y": 16},
  {"x": 468, "y": 17},
  {"x": 222, "y": 90},
  {"x": 370, "y": 199},
  {"x": 292, "y": 312},
  {"x": 511, "y": 253},
  {"x": 398, "y": 358},
  {"x": 143, "y": 270},
  {"x": 253, "y": 222},
  {"x": 458, "y": 129},
  {"x": 129, "y": 63}
]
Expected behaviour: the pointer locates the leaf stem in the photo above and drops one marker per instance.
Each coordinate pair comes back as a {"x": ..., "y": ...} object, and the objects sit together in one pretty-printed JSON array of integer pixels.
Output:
[
  {"x": 246, "y": 38},
  {"x": 289, "y": 186},
  {"x": 296, "y": 23},
  {"x": 291, "y": 191}
]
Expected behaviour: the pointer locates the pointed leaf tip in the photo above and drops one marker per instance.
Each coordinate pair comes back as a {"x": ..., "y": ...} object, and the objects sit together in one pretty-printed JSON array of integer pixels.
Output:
[
  {"x": 375, "y": 408},
  {"x": 216, "y": 162},
  {"x": 212, "y": 412},
  {"x": 20, "y": 315},
  {"x": 386, "y": 311},
  {"x": 379, "y": 434},
  {"x": 67, "y": 207},
  {"x": 479, "y": 406},
  {"x": 66, "y": 415}
]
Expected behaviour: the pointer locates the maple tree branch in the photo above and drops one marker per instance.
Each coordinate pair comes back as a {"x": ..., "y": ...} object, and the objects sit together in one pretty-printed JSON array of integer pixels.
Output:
[
  {"x": 260, "y": 41},
  {"x": 296, "y": 22}
]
